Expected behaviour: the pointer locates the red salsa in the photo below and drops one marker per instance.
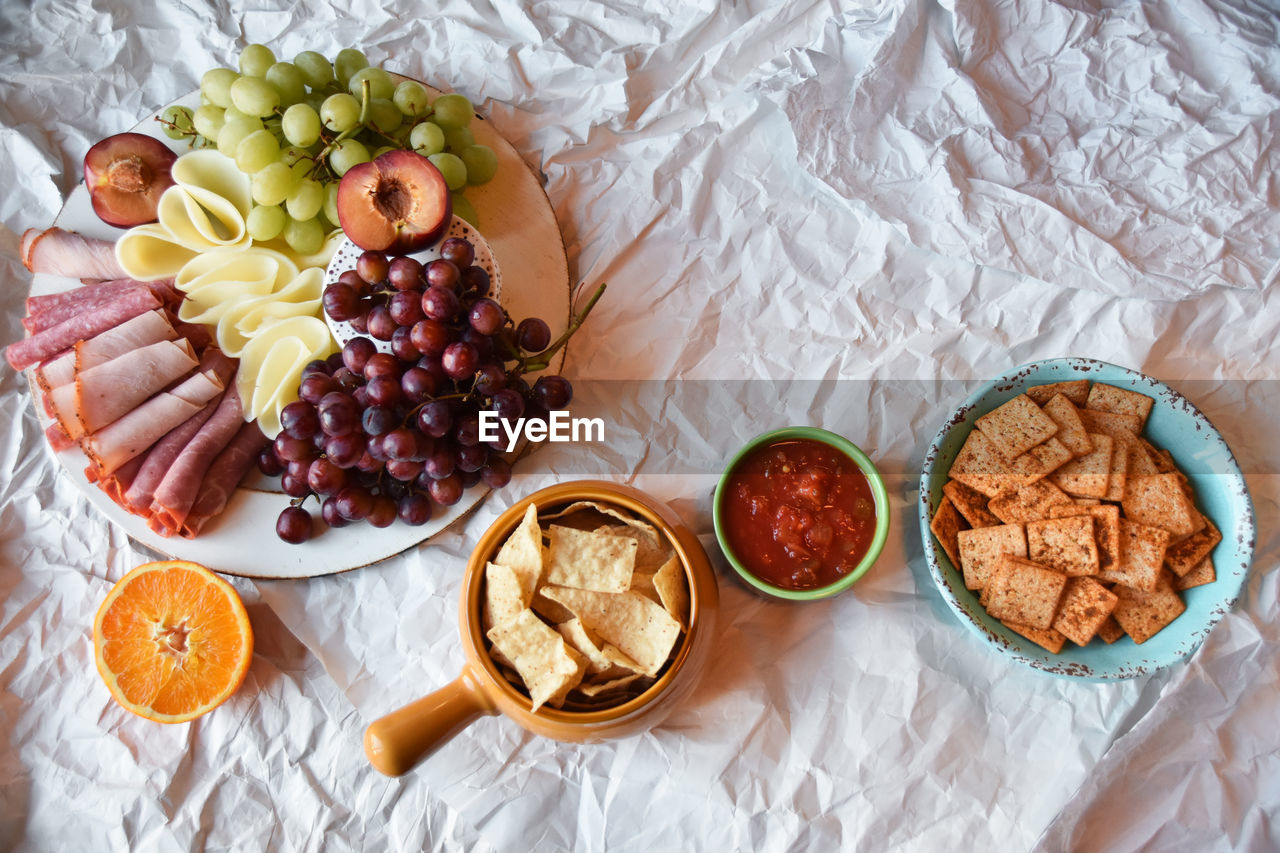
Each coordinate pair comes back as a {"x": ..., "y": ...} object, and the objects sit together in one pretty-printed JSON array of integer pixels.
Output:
[{"x": 799, "y": 514}]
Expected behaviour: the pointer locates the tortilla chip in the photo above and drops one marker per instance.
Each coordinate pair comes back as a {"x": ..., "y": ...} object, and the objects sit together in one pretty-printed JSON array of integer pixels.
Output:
[
  {"x": 1142, "y": 614},
  {"x": 642, "y": 630},
  {"x": 1065, "y": 544},
  {"x": 504, "y": 595},
  {"x": 1160, "y": 502},
  {"x": 1040, "y": 461},
  {"x": 981, "y": 550},
  {"x": 1109, "y": 398},
  {"x": 584, "y": 559},
  {"x": 980, "y": 467},
  {"x": 1071, "y": 431},
  {"x": 1086, "y": 604},
  {"x": 970, "y": 503},
  {"x": 1075, "y": 390},
  {"x": 1025, "y": 592},
  {"x": 1192, "y": 551},
  {"x": 673, "y": 590},
  {"x": 1027, "y": 503},
  {"x": 1016, "y": 426},
  {"x": 1142, "y": 550},
  {"x": 548, "y": 667},
  {"x": 595, "y": 689},
  {"x": 1090, "y": 474},
  {"x": 1199, "y": 575},
  {"x": 946, "y": 524},
  {"x": 522, "y": 552},
  {"x": 553, "y": 611},
  {"x": 651, "y": 550},
  {"x": 601, "y": 656},
  {"x": 1047, "y": 638}
]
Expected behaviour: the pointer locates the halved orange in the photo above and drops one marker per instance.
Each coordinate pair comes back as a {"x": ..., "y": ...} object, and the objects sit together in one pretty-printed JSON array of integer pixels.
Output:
[{"x": 172, "y": 641}]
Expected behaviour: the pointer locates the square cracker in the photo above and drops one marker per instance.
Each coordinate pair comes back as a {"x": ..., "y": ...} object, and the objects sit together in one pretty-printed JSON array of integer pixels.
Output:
[
  {"x": 1110, "y": 630},
  {"x": 981, "y": 550},
  {"x": 1040, "y": 461},
  {"x": 1143, "y": 613},
  {"x": 1086, "y": 604},
  {"x": 980, "y": 467},
  {"x": 946, "y": 525},
  {"x": 1199, "y": 575},
  {"x": 1109, "y": 423},
  {"x": 1119, "y": 474},
  {"x": 1025, "y": 592},
  {"x": 1075, "y": 390},
  {"x": 971, "y": 504},
  {"x": 1016, "y": 426},
  {"x": 1106, "y": 528},
  {"x": 1047, "y": 638},
  {"x": 1027, "y": 503},
  {"x": 1159, "y": 500},
  {"x": 1109, "y": 398},
  {"x": 1071, "y": 431},
  {"x": 1192, "y": 551},
  {"x": 1142, "y": 551},
  {"x": 1064, "y": 544},
  {"x": 1089, "y": 475},
  {"x": 1141, "y": 462}
]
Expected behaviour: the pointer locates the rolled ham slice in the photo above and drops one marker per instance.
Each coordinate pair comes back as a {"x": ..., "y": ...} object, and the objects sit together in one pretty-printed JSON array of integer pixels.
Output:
[
  {"x": 181, "y": 485},
  {"x": 58, "y": 252},
  {"x": 137, "y": 430},
  {"x": 143, "y": 330},
  {"x": 223, "y": 476},
  {"x": 58, "y": 438},
  {"x": 117, "y": 482},
  {"x": 107, "y": 392},
  {"x": 54, "y": 340}
]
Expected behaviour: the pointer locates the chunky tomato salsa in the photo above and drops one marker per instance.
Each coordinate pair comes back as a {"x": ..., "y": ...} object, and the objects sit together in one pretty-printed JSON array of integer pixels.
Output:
[{"x": 798, "y": 514}]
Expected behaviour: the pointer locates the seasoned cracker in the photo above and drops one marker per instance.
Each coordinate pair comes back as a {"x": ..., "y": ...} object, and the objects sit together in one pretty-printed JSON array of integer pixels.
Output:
[
  {"x": 1040, "y": 461},
  {"x": 1110, "y": 630},
  {"x": 1199, "y": 575},
  {"x": 1141, "y": 464},
  {"x": 1075, "y": 390},
  {"x": 946, "y": 525},
  {"x": 1192, "y": 551},
  {"x": 1090, "y": 475},
  {"x": 1016, "y": 426},
  {"x": 1071, "y": 431},
  {"x": 1142, "y": 614},
  {"x": 1119, "y": 474},
  {"x": 1109, "y": 398},
  {"x": 1025, "y": 592},
  {"x": 1106, "y": 528},
  {"x": 979, "y": 466},
  {"x": 1108, "y": 423},
  {"x": 1064, "y": 544},
  {"x": 971, "y": 504},
  {"x": 981, "y": 549},
  {"x": 1142, "y": 550},
  {"x": 1086, "y": 604},
  {"x": 1047, "y": 638},
  {"x": 1027, "y": 503},
  {"x": 1159, "y": 501}
]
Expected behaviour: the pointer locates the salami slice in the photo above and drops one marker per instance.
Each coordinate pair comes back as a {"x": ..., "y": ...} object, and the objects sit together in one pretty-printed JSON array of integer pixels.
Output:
[
  {"x": 44, "y": 345},
  {"x": 58, "y": 252},
  {"x": 220, "y": 481}
]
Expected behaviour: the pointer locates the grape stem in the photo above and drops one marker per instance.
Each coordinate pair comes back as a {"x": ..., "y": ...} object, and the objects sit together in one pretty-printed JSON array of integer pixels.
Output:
[
  {"x": 366, "y": 88},
  {"x": 543, "y": 360}
]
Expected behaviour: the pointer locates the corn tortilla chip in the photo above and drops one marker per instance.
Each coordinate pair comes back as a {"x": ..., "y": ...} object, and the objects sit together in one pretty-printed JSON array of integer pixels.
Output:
[
  {"x": 504, "y": 595},
  {"x": 547, "y": 665},
  {"x": 642, "y": 630},
  {"x": 673, "y": 590},
  {"x": 584, "y": 559},
  {"x": 601, "y": 656},
  {"x": 522, "y": 552}
]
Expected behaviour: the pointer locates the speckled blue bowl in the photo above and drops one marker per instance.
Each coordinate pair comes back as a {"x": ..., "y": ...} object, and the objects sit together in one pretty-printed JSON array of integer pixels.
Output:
[{"x": 1199, "y": 451}]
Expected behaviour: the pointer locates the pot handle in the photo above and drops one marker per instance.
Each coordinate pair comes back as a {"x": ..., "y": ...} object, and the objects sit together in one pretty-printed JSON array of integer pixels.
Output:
[{"x": 398, "y": 741}]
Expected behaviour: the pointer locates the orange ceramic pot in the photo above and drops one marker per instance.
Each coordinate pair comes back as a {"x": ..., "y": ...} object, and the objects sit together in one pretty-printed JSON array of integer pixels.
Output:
[{"x": 399, "y": 740}]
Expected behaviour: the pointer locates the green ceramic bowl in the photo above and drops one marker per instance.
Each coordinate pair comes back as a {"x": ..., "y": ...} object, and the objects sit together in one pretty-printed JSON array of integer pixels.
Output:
[{"x": 878, "y": 491}]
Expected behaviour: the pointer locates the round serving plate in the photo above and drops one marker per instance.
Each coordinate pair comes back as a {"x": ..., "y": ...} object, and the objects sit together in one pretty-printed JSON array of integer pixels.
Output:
[
  {"x": 519, "y": 227},
  {"x": 1200, "y": 453}
]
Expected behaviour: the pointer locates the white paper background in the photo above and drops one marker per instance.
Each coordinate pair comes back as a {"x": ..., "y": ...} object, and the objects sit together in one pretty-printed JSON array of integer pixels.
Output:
[{"x": 901, "y": 191}]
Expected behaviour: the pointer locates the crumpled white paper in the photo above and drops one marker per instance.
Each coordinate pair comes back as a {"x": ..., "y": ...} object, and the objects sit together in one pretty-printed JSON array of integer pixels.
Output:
[{"x": 679, "y": 175}]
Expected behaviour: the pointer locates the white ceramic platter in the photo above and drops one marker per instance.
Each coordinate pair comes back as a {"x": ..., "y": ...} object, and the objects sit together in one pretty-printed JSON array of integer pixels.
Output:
[{"x": 520, "y": 227}]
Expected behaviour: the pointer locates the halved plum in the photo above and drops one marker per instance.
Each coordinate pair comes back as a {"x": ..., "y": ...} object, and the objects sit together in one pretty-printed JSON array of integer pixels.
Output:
[
  {"x": 397, "y": 203},
  {"x": 126, "y": 174}
]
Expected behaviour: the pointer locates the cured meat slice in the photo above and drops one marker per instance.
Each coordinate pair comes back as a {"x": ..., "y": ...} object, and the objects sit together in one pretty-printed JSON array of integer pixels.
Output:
[
  {"x": 223, "y": 476},
  {"x": 58, "y": 252},
  {"x": 39, "y": 347},
  {"x": 42, "y": 310},
  {"x": 118, "y": 482},
  {"x": 106, "y": 392},
  {"x": 134, "y": 432},
  {"x": 143, "y": 330},
  {"x": 58, "y": 438},
  {"x": 177, "y": 492}
]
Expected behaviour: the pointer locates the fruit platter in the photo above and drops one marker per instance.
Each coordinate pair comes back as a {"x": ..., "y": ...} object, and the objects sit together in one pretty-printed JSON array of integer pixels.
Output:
[{"x": 271, "y": 316}]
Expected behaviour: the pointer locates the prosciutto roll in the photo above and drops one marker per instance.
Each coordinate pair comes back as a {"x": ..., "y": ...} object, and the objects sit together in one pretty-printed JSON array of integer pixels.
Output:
[
  {"x": 223, "y": 476},
  {"x": 58, "y": 252},
  {"x": 54, "y": 340},
  {"x": 107, "y": 392},
  {"x": 177, "y": 492},
  {"x": 143, "y": 330}
]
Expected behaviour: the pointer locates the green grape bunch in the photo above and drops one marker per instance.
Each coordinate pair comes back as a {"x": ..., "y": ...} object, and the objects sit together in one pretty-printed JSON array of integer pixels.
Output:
[{"x": 297, "y": 127}]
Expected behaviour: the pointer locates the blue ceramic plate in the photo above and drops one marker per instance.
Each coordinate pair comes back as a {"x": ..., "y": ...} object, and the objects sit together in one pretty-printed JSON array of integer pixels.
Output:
[{"x": 1199, "y": 451}]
